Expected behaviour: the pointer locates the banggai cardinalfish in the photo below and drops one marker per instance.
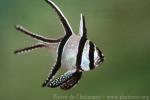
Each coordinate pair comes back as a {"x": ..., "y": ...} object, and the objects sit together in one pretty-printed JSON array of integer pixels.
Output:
[{"x": 74, "y": 52}]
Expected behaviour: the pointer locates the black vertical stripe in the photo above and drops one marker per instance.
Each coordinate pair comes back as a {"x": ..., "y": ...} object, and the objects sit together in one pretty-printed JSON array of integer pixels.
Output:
[
  {"x": 81, "y": 45},
  {"x": 91, "y": 55},
  {"x": 58, "y": 62},
  {"x": 84, "y": 27},
  {"x": 60, "y": 49},
  {"x": 80, "y": 51}
]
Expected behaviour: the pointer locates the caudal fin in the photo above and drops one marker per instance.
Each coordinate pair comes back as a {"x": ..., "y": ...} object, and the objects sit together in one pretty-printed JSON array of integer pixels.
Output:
[
  {"x": 28, "y": 49},
  {"x": 35, "y": 36}
]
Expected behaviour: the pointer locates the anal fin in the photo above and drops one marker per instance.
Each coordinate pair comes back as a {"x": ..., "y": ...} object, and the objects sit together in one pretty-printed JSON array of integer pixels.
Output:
[
  {"x": 72, "y": 81},
  {"x": 65, "y": 81}
]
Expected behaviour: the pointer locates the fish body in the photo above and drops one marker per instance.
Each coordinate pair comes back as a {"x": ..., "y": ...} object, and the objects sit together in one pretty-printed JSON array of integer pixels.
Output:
[
  {"x": 74, "y": 52},
  {"x": 70, "y": 52}
]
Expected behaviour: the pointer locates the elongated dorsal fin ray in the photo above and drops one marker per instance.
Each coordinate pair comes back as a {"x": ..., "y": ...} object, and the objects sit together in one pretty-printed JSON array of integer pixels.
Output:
[
  {"x": 35, "y": 36},
  {"x": 64, "y": 21},
  {"x": 28, "y": 49},
  {"x": 82, "y": 28}
]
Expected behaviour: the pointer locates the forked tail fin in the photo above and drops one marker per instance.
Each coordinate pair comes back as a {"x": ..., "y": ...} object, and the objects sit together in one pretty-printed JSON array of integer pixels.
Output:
[
  {"x": 28, "y": 49},
  {"x": 35, "y": 36}
]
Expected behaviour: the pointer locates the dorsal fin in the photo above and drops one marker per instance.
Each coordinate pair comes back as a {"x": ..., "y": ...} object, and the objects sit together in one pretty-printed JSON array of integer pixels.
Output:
[
  {"x": 83, "y": 35},
  {"x": 82, "y": 28},
  {"x": 64, "y": 21}
]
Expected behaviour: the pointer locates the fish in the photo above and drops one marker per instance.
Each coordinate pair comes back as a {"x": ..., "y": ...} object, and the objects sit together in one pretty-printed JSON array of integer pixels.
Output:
[{"x": 73, "y": 52}]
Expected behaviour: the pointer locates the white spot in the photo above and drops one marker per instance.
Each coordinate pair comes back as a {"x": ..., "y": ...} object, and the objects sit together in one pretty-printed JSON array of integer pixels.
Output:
[{"x": 85, "y": 57}]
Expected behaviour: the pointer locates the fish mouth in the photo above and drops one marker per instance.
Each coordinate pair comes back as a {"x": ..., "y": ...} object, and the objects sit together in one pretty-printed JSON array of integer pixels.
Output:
[
  {"x": 99, "y": 61},
  {"x": 102, "y": 58}
]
